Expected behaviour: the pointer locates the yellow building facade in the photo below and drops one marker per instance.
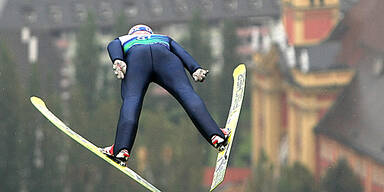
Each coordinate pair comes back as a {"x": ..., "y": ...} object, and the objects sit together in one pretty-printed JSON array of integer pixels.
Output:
[
  {"x": 286, "y": 110},
  {"x": 266, "y": 94},
  {"x": 283, "y": 109}
]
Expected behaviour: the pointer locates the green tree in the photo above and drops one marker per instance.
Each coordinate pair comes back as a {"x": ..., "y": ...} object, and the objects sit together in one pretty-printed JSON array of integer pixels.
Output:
[
  {"x": 175, "y": 158},
  {"x": 223, "y": 93},
  {"x": 83, "y": 107},
  {"x": 121, "y": 25},
  {"x": 198, "y": 40},
  {"x": 94, "y": 113},
  {"x": 22, "y": 135},
  {"x": 230, "y": 60},
  {"x": 296, "y": 178},
  {"x": 41, "y": 141},
  {"x": 10, "y": 108},
  {"x": 87, "y": 61},
  {"x": 33, "y": 137},
  {"x": 197, "y": 43},
  {"x": 341, "y": 178},
  {"x": 111, "y": 87},
  {"x": 262, "y": 175}
]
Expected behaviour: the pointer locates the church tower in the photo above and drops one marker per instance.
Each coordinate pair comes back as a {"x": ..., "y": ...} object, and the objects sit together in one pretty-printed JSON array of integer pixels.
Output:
[
  {"x": 308, "y": 22},
  {"x": 293, "y": 86}
]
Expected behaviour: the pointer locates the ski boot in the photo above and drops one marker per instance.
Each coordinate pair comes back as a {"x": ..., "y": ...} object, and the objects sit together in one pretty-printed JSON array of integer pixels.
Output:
[
  {"x": 121, "y": 158},
  {"x": 220, "y": 143}
]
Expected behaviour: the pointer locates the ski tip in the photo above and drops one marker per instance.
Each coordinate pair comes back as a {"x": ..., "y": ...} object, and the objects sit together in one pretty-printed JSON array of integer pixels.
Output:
[
  {"x": 239, "y": 69},
  {"x": 34, "y": 98},
  {"x": 36, "y": 101}
]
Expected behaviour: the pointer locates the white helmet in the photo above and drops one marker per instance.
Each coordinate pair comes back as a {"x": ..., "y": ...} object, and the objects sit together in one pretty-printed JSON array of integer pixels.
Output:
[{"x": 140, "y": 27}]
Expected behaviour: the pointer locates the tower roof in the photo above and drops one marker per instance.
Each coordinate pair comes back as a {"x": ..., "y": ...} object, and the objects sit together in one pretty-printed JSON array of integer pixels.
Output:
[
  {"x": 321, "y": 57},
  {"x": 356, "y": 117}
]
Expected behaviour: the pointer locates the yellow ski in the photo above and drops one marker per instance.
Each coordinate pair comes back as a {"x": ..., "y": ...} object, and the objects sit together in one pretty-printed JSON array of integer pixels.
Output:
[
  {"x": 239, "y": 75},
  {"x": 40, "y": 105}
]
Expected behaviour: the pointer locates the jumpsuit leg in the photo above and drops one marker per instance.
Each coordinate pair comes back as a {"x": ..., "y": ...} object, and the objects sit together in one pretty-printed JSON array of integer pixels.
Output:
[
  {"x": 133, "y": 89},
  {"x": 170, "y": 74}
]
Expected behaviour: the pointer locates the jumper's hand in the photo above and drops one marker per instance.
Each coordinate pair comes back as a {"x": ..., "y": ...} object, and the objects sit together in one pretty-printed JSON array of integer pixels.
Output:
[
  {"x": 200, "y": 74},
  {"x": 119, "y": 68}
]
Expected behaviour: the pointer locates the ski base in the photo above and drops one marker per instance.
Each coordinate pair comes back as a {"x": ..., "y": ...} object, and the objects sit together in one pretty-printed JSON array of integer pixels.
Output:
[
  {"x": 239, "y": 75},
  {"x": 40, "y": 105}
]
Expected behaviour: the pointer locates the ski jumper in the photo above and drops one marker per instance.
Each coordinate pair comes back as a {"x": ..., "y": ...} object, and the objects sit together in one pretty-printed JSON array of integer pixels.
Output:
[{"x": 159, "y": 59}]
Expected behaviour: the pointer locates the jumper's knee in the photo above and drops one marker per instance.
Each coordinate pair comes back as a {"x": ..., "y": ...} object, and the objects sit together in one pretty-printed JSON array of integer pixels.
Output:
[
  {"x": 195, "y": 103},
  {"x": 128, "y": 122}
]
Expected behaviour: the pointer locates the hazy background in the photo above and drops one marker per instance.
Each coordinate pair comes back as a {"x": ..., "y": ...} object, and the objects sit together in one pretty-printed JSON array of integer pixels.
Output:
[{"x": 57, "y": 50}]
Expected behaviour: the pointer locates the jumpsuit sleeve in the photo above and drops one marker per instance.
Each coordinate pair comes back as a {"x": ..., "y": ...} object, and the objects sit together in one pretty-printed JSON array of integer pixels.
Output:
[
  {"x": 185, "y": 57},
  {"x": 115, "y": 50}
]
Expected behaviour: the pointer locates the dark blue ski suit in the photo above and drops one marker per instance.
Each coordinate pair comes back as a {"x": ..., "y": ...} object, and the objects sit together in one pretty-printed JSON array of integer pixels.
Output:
[{"x": 159, "y": 59}]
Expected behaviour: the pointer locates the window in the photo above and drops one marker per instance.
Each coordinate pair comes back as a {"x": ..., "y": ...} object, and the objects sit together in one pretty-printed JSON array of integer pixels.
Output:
[
  {"x": 230, "y": 5},
  {"x": 255, "y": 4},
  {"x": 304, "y": 60},
  {"x": 260, "y": 117},
  {"x": 156, "y": 7},
  {"x": 376, "y": 174},
  {"x": 324, "y": 150},
  {"x": 266, "y": 43},
  {"x": 181, "y": 6},
  {"x": 291, "y": 56},
  {"x": 55, "y": 13},
  {"x": 255, "y": 39},
  {"x": 262, "y": 128},
  {"x": 360, "y": 167},
  {"x": 106, "y": 11},
  {"x": 377, "y": 67},
  {"x": 80, "y": 12},
  {"x": 312, "y": 2},
  {"x": 298, "y": 134},
  {"x": 130, "y": 9},
  {"x": 284, "y": 150},
  {"x": 29, "y": 14},
  {"x": 207, "y": 5}
]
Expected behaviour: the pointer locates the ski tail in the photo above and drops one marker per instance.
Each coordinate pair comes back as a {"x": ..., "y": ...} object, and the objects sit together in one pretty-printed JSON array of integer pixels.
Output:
[{"x": 40, "y": 105}]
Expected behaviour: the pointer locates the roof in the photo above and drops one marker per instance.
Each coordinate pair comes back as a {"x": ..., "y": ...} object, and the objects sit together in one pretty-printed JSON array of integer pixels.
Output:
[
  {"x": 367, "y": 34},
  {"x": 372, "y": 31},
  {"x": 68, "y": 13},
  {"x": 321, "y": 57},
  {"x": 338, "y": 31},
  {"x": 345, "y": 5},
  {"x": 324, "y": 56},
  {"x": 356, "y": 119}
]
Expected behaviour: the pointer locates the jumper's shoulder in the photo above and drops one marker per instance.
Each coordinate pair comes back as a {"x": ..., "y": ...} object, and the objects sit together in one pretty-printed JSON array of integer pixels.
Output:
[
  {"x": 125, "y": 38},
  {"x": 161, "y": 36}
]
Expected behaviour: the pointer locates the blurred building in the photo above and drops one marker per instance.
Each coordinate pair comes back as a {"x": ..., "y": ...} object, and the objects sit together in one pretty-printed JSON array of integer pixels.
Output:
[
  {"x": 316, "y": 90},
  {"x": 39, "y": 31},
  {"x": 353, "y": 128}
]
